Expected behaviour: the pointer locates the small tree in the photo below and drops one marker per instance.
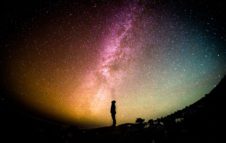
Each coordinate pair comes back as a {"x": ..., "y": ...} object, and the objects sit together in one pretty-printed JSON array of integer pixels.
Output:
[
  {"x": 151, "y": 122},
  {"x": 140, "y": 121}
]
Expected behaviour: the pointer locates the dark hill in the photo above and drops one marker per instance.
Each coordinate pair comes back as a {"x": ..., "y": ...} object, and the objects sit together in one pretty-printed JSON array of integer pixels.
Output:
[{"x": 200, "y": 122}]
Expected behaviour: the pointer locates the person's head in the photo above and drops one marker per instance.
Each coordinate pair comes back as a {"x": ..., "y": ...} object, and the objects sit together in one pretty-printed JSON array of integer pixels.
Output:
[{"x": 113, "y": 101}]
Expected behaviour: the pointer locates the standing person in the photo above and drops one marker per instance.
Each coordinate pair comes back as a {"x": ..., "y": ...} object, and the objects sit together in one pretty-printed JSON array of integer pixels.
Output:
[{"x": 113, "y": 112}]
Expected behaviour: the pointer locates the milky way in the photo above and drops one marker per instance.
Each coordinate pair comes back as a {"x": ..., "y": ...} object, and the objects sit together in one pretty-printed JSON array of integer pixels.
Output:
[
  {"x": 114, "y": 60},
  {"x": 70, "y": 63}
]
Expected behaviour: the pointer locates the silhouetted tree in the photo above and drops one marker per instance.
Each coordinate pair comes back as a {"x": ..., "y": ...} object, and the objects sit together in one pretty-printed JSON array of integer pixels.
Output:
[
  {"x": 140, "y": 121},
  {"x": 151, "y": 122}
]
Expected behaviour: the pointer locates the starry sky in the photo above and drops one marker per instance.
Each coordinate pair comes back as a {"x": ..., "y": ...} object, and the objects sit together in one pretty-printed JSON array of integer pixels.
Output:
[{"x": 69, "y": 60}]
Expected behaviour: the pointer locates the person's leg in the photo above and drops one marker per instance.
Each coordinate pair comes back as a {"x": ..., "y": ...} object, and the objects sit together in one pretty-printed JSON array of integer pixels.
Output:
[{"x": 114, "y": 120}]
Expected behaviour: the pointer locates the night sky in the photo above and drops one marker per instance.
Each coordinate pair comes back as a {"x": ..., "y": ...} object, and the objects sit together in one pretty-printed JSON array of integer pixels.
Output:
[{"x": 70, "y": 59}]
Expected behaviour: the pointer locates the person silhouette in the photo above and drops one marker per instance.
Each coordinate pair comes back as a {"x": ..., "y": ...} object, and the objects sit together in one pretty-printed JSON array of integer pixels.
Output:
[{"x": 113, "y": 112}]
